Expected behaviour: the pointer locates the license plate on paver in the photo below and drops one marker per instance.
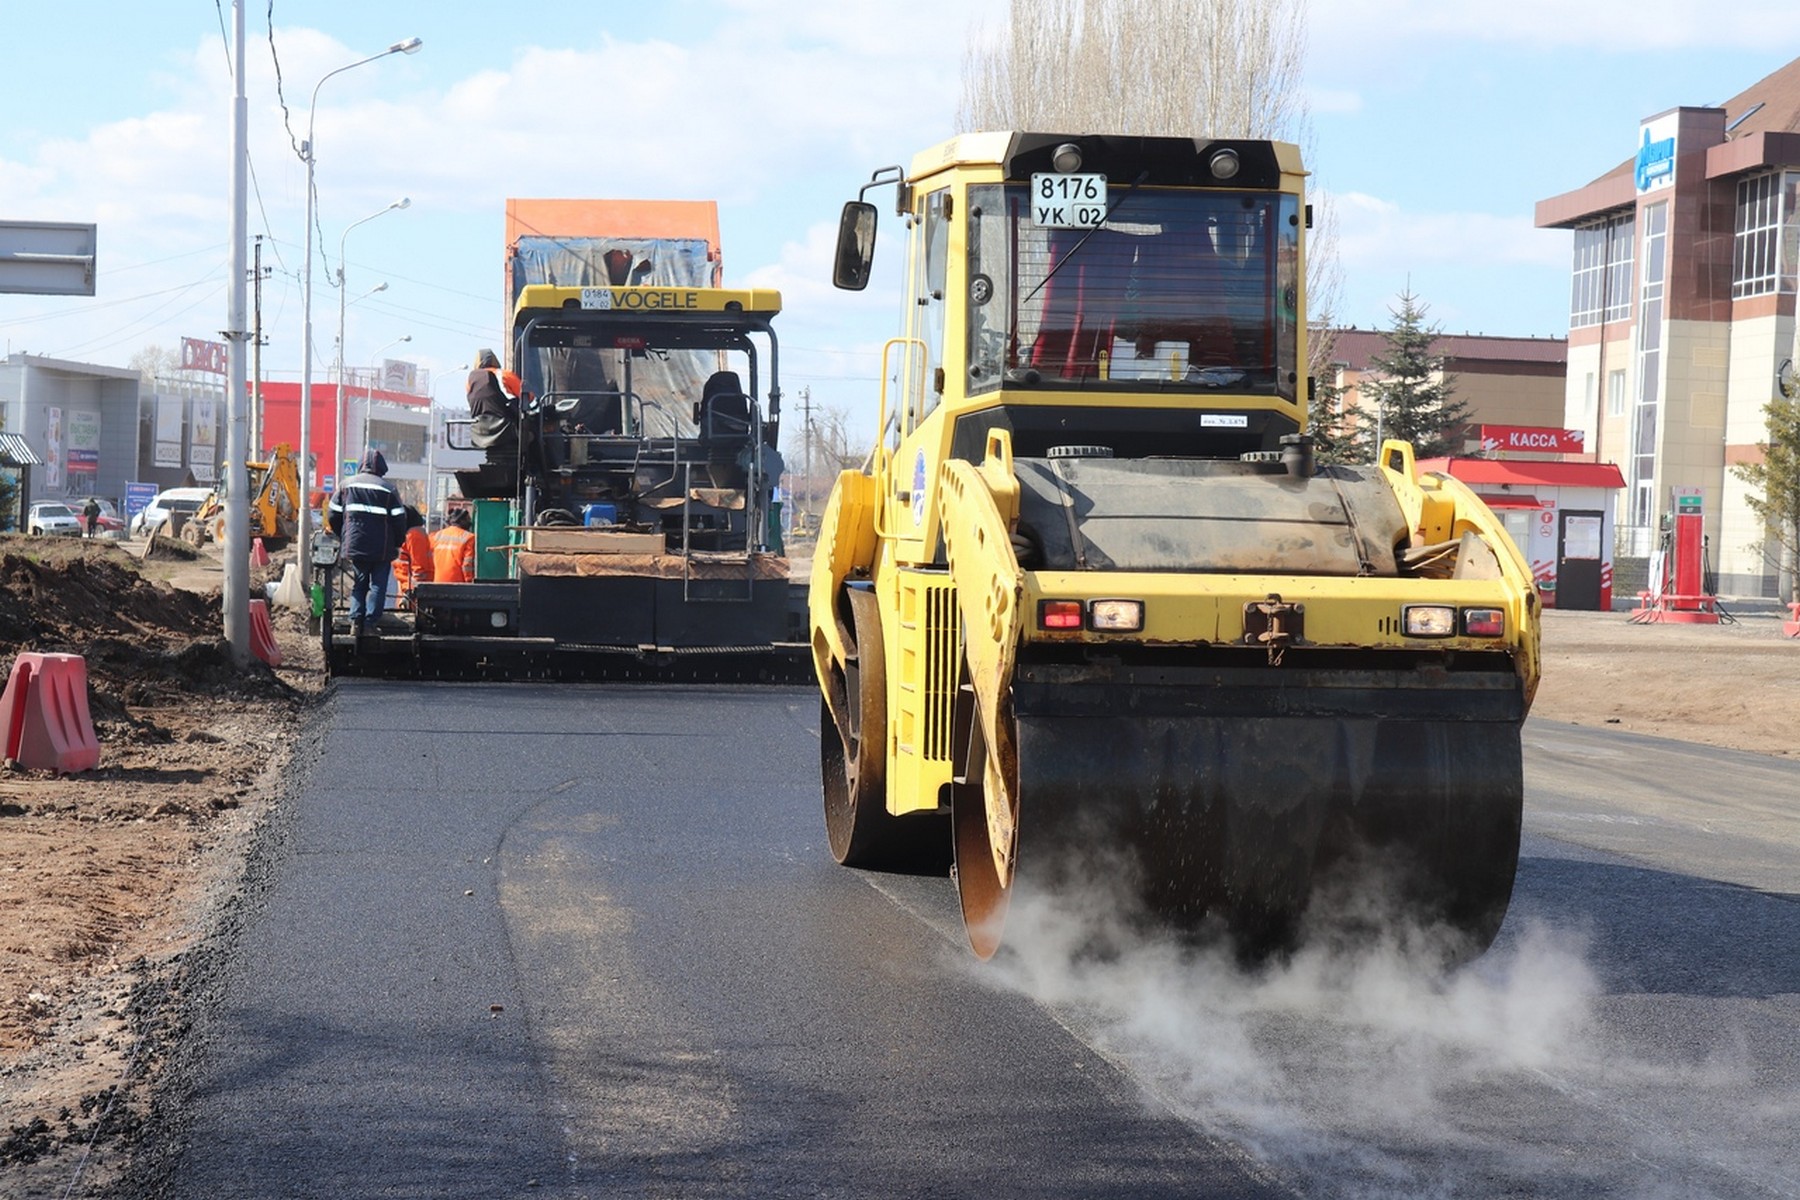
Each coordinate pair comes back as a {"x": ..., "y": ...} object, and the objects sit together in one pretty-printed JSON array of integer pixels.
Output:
[{"x": 1068, "y": 201}]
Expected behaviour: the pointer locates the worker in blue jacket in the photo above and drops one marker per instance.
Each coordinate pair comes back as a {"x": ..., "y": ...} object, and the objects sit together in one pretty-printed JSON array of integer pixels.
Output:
[{"x": 367, "y": 515}]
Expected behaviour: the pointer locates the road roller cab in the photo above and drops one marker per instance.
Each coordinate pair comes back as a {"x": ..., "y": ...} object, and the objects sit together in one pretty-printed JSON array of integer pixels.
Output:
[{"x": 1090, "y": 597}]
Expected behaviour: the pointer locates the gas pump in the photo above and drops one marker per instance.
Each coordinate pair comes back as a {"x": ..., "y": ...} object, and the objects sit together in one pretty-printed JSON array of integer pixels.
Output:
[{"x": 1679, "y": 567}]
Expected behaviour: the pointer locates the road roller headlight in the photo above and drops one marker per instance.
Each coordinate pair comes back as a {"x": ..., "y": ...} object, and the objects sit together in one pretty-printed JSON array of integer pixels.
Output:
[
  {"x": 1059, "y": 614},
  {"x": 1428, "y": 620},
  {"x": 1116, "y": 616},
  {"x": 498, "y": 619},
  {"x": 1484, "y": 622}
]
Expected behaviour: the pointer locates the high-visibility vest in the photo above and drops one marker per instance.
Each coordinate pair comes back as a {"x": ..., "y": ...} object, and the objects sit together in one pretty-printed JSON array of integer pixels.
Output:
[
  {"x": 453, "y": 555},
  {"x": 414, "y": 565}
]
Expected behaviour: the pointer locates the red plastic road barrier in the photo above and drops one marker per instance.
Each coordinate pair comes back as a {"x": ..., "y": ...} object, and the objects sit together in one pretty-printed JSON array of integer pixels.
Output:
[
  {"x": 44, "y": 714},
  {"x": 262, "y": 635},
  {"x": 259, "y": 554},
  {"x": 1792, "y": 628}
]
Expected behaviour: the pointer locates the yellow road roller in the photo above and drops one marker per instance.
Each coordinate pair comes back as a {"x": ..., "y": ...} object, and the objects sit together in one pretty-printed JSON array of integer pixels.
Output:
[{"x": 1090, "y": 606}]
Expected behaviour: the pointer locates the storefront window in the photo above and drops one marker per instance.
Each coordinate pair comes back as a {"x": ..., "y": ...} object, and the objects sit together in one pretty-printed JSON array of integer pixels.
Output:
[
  {"x": 1601, "y": 286},
  {"x": 1641, "y": 453},
  {"x": 1764, "y": 252}
]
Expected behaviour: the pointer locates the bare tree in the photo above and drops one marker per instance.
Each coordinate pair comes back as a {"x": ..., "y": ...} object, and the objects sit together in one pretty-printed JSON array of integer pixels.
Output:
[
  {"x": 1776, "y": 479},
  {"x": 1219, "y": 68},
  {"x": 1229, "y": 68},
  {"x": 815, "y": 455},
  {"x": 154, "y": 362}
]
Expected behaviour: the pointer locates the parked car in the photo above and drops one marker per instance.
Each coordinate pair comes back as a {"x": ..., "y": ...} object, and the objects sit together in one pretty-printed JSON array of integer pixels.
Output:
[
  {"x": 52, "y": 517},
  {"x": 110, "y": 524},
  {"x": 154, "y": 515}
]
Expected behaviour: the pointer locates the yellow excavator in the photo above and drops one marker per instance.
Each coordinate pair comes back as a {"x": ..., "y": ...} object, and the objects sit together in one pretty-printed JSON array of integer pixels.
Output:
[
  {"x": 1091, "y": 608},
  {"x": 274, "y": 504}
]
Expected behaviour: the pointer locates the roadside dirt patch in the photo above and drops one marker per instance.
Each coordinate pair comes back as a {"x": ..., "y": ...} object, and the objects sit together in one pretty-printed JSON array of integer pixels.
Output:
[
  {"x": 1732, "y": 685},
  {"x": 103, "y": 874}
]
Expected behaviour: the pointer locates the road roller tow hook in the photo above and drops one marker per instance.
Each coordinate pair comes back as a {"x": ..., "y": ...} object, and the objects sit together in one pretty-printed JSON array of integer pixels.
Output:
[{"x": 1274, "y": 625}]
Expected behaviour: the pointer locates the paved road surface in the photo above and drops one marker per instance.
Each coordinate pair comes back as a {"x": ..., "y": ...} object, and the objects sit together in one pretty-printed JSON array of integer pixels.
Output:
[{"x": 570, "y": 941}]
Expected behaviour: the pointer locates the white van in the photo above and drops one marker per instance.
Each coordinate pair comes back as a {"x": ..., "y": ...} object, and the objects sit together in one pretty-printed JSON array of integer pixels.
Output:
[{"x": 155, "y": 514}]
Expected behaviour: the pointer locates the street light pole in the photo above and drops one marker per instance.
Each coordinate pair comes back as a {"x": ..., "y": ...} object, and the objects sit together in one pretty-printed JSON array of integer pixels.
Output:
[
  {"x": 337, "y": 369},
  {"x": 337, "y": 440},
  {"x": 408, "y": 46}
]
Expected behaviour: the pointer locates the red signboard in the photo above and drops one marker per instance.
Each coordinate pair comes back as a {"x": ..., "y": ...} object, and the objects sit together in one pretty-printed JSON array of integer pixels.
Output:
[
  {"x": 197, "y": 355},
  {"x": 1536, "y": 439}
]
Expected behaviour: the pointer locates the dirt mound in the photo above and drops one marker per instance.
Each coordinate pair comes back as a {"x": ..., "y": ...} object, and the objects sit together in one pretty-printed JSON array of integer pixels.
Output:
[
  {"x": 162, "y": 546},
  {"x": 145, "y": 642}
]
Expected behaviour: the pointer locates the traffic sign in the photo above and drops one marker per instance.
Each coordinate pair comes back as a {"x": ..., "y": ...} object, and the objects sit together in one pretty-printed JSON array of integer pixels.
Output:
[{"x": 46, "y": 258}]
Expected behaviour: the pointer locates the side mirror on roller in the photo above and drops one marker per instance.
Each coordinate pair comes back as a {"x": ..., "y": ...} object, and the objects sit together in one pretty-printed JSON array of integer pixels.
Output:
[{"x": 855, "y": 246}]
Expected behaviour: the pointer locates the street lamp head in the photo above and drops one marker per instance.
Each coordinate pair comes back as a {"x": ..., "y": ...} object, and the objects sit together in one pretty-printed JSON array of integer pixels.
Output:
[
  {"x": 409, "y": 46},
  {"x": 402, "y": 202}
]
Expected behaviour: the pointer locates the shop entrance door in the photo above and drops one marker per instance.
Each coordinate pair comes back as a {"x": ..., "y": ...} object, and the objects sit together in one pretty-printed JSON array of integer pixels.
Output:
[{"x": 1579, "y": 557}]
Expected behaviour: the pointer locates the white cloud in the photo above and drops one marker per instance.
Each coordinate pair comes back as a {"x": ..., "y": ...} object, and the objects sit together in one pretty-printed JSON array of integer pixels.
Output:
[
  {"x": 775, "y": 111},
  {"x": 1321, "y": 100},
  {"x": 1358, "y": 27},
  {"x": 1376, "y": 232}
]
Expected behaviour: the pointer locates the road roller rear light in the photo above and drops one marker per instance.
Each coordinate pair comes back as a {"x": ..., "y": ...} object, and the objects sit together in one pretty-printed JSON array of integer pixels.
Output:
[
  {"x": 1428, "y": 620},
  {"x": 1060, "y": 614},
  {"x": 1116, "y": 616},
  {"x": 1484, "y": 622}
]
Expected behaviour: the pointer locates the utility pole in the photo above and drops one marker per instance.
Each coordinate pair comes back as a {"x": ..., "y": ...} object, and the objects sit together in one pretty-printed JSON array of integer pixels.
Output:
[
  {"x": 257, "y": 342},
  {"x": 235, "y": 592},
  {"x": 806, "y": 416}
]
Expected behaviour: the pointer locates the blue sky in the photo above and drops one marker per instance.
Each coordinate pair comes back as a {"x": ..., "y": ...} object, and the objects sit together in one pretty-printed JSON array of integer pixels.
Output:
[{"x": 1436, "y": 128}]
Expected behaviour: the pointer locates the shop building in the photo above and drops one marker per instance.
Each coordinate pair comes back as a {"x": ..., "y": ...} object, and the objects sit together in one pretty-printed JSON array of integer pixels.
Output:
[
  {"x": 400, "y": 423},
  {"x": 1560, "y": 516},
  {"x": 1503, "y": 380},
  {"x": 1682, "y": 293},
  {"x": 81, "y": 423}
]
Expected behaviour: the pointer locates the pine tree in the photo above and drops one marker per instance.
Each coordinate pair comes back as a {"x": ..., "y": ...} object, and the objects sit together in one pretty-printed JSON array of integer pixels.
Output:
[
  {"x": 1777, "y": 481},
  {"x": 1334, "y": 441},
  {"x": 1406, "y": 394}
]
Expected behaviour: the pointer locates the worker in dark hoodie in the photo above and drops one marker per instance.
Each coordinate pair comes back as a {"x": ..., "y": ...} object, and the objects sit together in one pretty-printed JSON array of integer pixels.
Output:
[{"x": 368, "y": 517}]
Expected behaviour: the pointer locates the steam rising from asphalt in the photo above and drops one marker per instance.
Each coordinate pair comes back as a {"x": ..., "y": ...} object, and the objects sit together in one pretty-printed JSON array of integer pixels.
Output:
[{"x": 1360, "y": 1066}]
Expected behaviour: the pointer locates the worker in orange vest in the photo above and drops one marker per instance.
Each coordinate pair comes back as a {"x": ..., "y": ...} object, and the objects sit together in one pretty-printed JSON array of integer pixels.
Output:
[
  {"x": 453, "y": 550},
  {"x": 414, "y": 564}
]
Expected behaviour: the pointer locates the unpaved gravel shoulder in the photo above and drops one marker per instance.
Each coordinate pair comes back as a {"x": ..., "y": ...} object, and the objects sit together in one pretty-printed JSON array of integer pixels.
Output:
[
  {"x": 1730, "y": 685},
  {"x": 110, "y": 879}
]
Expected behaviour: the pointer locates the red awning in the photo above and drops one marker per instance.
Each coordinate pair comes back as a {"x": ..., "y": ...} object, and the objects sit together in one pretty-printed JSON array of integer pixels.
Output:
[
  {"x": 1508, "y": 500},
  {"x": 1529, "y": 474}
]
